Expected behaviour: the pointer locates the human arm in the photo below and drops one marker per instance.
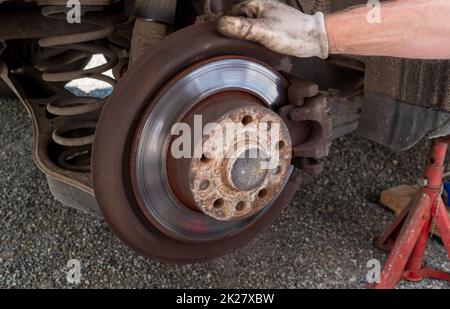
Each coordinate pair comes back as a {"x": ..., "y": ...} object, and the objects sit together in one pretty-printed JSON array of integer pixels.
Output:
[{"x": 407, "y": 28}]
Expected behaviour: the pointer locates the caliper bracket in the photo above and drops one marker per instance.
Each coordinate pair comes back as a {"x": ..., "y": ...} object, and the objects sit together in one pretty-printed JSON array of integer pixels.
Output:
[{"x": 309, "y": 121}]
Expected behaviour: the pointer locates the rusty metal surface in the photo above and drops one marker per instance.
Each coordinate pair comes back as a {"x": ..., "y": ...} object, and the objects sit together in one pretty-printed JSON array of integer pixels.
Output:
[
  {"x": 228, "y": 183},
  {"x": 309, "y": 121},
  {"x": 112, "y": 154},
  {"x": 210, "y": 108}
]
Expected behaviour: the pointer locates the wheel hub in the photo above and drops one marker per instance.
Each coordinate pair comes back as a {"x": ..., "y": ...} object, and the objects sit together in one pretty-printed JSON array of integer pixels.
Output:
[{"x": 242, "y": 167}]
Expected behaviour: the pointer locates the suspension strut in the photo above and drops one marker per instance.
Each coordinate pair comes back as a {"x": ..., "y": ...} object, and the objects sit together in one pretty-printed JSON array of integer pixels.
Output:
[{"x": 76, "y": 137}]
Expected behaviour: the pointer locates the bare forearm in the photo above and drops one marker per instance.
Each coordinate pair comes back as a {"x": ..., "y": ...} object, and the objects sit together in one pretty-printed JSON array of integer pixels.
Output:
[{"x": 408, "y": 29}]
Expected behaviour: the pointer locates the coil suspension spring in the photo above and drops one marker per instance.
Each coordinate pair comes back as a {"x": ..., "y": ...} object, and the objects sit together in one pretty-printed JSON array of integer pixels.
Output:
[{"x": 74, "y": 136}]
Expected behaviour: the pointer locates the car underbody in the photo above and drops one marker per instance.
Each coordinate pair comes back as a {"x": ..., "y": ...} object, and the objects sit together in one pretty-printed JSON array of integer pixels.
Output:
[{"x": 108, "y": 156}]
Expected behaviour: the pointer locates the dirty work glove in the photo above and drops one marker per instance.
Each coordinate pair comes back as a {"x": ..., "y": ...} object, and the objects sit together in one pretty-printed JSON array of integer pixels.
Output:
[{"x": 278, "y": 27}]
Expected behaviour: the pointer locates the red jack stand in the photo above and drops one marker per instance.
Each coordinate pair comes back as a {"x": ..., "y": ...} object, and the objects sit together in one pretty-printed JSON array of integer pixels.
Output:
[{"x": 407, "y": 237}]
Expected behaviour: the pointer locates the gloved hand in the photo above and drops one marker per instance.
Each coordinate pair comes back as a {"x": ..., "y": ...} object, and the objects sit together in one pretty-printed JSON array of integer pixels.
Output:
[{"x": 278, "y": 27}]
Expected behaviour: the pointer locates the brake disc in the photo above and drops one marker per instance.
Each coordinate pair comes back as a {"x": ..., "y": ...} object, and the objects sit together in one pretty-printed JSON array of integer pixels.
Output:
[{"x": 193, "y": 209}]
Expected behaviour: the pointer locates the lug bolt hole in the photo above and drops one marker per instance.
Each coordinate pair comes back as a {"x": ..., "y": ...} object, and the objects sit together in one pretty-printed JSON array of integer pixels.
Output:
[
  {"x": 277, "y": 170},
  {"x": 206, "y": 158},
  {"x": 263, "y": 193},
  {"x": 218, "y": 203},
  {"x": 280, "y": 145},
  {"x": 240, "y": 206},
  {"x": 247, "y": 120},
  {"x": 204, "y": 184}
]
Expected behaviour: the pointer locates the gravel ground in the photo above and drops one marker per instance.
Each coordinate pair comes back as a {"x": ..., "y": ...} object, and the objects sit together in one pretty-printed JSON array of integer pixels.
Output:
[{"x": 322, "y": 240}]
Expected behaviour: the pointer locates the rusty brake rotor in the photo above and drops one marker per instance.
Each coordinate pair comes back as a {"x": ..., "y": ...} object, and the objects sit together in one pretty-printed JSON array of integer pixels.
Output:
[{"x": 166, "y": 211}]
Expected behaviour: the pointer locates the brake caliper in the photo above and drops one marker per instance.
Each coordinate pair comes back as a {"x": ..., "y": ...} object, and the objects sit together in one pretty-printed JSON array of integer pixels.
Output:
[{"x": 308, "y": 119}]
